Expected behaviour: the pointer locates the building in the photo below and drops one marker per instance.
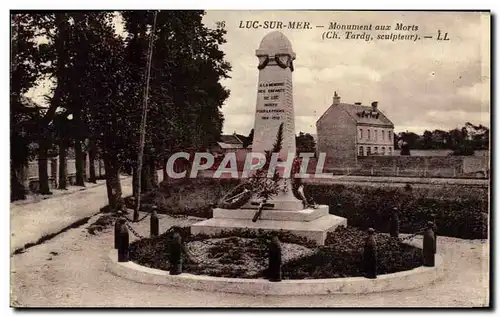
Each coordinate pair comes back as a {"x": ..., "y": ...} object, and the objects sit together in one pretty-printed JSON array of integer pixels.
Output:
[
  {"x": 229, "y": 143},
  {"x": 346, "y": 131}
]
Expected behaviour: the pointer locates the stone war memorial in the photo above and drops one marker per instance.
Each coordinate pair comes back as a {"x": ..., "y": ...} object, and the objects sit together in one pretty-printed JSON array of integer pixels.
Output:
[
  {"x": 199, "y": 158},
  {"x": 275, "y": 108}
]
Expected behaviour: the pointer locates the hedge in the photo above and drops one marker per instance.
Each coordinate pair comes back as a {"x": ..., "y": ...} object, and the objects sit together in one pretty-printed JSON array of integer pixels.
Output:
[{"x": 371, "y": 207}]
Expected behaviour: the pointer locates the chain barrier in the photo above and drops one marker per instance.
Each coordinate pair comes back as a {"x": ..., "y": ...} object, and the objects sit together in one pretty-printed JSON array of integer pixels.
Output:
[
  {"x": 139, "y": 220},
  {"x": 132, "y": 221},
  {"x": 134, "y": 232},
  {"x": 413, "y": 235}
]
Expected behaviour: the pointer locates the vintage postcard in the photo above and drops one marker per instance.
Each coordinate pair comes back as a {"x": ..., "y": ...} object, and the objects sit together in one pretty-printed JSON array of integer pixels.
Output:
[{"x": 168, "y": 158}]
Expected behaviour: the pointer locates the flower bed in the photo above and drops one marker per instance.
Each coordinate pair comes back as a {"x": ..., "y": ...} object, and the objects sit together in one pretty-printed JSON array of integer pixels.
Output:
[{"x": 243, "y": 254}]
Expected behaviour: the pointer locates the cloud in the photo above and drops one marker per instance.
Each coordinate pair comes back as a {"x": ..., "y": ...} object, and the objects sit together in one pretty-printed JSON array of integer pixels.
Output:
[{"x": 423, "y": 85}]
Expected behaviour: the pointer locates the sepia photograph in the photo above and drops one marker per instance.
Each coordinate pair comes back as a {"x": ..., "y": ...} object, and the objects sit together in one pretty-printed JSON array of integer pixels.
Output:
[{"x": 250, "y": 158}]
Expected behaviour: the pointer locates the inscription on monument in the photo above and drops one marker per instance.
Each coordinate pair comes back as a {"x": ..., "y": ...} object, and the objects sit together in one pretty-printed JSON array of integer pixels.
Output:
[{"x": 271, "y": 94}]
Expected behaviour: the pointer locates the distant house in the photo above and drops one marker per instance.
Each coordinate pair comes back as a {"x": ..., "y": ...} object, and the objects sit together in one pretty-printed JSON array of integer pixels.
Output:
[
  {"x": 346, "y": 131},
  {"x": 229, "y": 143}
]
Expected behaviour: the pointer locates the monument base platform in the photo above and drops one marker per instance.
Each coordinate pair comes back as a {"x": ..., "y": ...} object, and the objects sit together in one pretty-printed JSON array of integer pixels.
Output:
[
  {"x": 308, "y": 214},
  {"x": 312, "y": 224}
]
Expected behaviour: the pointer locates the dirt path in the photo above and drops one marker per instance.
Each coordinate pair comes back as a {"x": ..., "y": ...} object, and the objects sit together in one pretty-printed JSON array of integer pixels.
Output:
[{"x": 76, "y": 276}]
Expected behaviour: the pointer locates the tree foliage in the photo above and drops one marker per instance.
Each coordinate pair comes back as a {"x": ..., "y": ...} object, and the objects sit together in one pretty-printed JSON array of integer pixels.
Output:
[
  {"x": 99, "y": 77},
  {"x": 463, "y": 141},
  {"x": 305, "y": 143}
]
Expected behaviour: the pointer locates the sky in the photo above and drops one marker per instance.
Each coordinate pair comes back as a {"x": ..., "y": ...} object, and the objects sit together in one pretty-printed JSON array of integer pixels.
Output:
[{"x": 419, "y": 85}]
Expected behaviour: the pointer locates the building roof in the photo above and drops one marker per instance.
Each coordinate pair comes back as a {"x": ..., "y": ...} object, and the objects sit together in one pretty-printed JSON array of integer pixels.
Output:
[
  {"x": 226, "y": 146},
  {"x": 362, "y": 114},
  {"x": 356, "y": 112},
  {"x": 230, "y": 139}
]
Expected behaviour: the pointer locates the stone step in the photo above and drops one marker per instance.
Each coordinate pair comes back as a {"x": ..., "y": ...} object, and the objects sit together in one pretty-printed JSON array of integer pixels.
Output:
[
  {"x": 270, "y": 214},
  {"x": 314, "y": 230}
]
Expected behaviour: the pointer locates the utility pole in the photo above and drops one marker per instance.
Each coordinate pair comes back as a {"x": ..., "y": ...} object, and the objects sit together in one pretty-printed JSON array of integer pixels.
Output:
[{"x": 143, "y": 121}]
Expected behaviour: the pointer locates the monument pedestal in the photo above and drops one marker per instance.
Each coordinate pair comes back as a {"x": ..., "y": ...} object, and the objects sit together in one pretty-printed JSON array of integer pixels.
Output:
[{"x": 312, "y": 224}]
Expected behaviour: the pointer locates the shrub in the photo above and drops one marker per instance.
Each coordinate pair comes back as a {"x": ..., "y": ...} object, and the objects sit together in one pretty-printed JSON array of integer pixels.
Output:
[
  {"x": 371, "y": 207},
  {"x": 191, "y": 197}
]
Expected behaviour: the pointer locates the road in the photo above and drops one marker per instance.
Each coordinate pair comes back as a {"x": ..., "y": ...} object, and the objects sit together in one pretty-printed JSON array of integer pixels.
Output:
[{"x": 70, "y": 271}]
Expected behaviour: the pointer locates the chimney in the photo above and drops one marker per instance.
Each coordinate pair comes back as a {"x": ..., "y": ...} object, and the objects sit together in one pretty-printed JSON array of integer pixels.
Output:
[
  {"x": 374, "y": 106},
  {"x": 336, "y": 99}
]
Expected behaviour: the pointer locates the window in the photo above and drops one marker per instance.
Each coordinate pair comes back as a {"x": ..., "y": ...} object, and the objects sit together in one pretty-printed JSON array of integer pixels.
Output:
[
  {"x": 383, "y": 150},
  {"x": 375, "y": 134},
  {"x": 375, "y": 150},
  {"x": 361, "y": 153},
  {"x": 383, "y": 134},
  {"x": 368, "y": 152},
  {"x": 389, "y": 135},
  {"x": 368, "y": 134},
  {"x": 360, "y": 133}
]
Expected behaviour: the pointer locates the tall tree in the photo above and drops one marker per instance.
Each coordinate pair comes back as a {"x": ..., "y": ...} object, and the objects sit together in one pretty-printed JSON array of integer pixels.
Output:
[
  {"x": 23, "y": 112},
  {"x": 249, "y": 139},
  {"x": 186, "y": 95},
  {"x": 305, "y": 143}
]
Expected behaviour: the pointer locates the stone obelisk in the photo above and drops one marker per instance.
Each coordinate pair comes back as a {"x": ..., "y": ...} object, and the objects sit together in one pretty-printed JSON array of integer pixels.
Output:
[{"x": 275, "y": 106}]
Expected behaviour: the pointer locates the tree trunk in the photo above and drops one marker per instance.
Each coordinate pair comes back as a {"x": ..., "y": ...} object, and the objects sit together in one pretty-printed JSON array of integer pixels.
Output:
[
  {"x": 85, "y": 176},
  {"x": 62, "y": 165},
  {"x": 43, "y": 176},
  {"x": 113, "y": 185},
  {"x": 135, "y": 183},
  {"x": 92, "y": 156},
  {"x": 165, "y": 175},
  {"x": 80, "y": 180},
  {"x": 146, "y": 184},
  {"x": 17, "y": 189},
  {"x": 154, "y": 174}
]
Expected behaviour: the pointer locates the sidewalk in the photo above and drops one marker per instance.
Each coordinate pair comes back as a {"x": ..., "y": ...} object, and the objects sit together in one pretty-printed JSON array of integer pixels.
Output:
[
  {"x": 35, "y": 197},
  {"x": 30, "y": 222}
]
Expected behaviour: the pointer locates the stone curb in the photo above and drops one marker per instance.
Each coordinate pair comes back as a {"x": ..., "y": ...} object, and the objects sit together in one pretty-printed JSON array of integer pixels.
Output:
[{"x": 405, "y": 280}]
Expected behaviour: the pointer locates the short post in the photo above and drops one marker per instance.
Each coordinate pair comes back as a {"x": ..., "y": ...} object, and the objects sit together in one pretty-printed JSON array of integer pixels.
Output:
[
  {"x": 274, "y": 269},
  {"x": 123, "y": 241},
  {"x": 125, "y": 208},
  {"x": 154, "y": 223},
  {"x": 394, "y": 223},
  {"x": 370, "y": 255},
  {"x": 175, "y": 254},
  {"x": 429, "y": 245},
  {"x": 435, "y": 229},
  {"x": 117, "y": 232}
]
